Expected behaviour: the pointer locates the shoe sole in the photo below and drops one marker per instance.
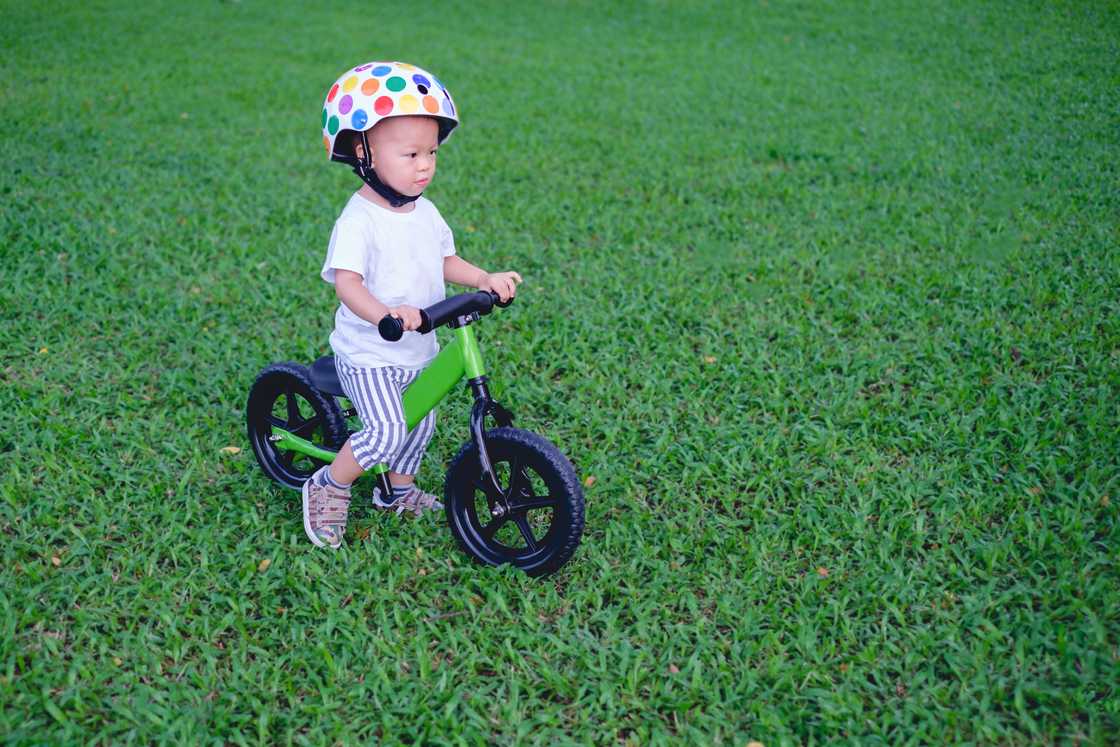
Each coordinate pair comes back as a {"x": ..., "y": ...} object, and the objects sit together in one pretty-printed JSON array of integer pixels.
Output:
[
  {"x": 393, "y": 507},
  {"x": 378, "y": 505}
]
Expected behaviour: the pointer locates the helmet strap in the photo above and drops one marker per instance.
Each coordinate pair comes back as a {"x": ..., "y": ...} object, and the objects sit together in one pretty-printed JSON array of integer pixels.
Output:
[{"x": 363, "y": 167}]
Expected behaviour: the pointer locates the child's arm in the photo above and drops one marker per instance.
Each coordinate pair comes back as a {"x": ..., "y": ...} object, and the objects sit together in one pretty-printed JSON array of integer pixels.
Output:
[
  {"x": 349, "y": 289},
  {"x": 460, "y": 271}
]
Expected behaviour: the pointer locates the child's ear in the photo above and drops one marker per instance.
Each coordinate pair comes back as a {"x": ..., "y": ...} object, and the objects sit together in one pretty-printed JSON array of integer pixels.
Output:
[{"x": 360, "y": 151}]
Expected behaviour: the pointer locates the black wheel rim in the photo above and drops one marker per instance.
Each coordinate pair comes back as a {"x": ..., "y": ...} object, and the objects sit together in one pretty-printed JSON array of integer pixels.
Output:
[
  {"x": 522, "y": 523},
  {"x": 288, "y": 408}
]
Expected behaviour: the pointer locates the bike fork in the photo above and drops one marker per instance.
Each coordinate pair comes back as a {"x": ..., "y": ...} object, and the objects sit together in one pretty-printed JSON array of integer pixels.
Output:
[{"x": 483, "y": 404}]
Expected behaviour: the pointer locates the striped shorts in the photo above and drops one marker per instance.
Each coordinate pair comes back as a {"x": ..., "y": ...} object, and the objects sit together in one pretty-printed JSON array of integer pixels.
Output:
[{"x": 384, "y": 437}]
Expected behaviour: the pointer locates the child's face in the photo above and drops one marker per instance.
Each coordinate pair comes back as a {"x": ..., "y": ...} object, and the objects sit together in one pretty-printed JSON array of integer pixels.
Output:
[{"x": 404, "y": 152}]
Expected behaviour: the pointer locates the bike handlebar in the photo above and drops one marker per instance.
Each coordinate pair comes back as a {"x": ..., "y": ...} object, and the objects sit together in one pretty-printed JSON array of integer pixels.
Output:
[{"x": 442, "y": 312}]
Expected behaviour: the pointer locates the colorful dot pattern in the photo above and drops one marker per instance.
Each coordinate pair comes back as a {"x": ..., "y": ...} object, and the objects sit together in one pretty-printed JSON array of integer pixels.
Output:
[{"x": 366, "y": 94}]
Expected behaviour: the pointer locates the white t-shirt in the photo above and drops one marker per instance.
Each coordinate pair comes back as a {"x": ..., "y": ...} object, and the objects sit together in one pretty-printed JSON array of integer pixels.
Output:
[{"x": 400, "y": 258}]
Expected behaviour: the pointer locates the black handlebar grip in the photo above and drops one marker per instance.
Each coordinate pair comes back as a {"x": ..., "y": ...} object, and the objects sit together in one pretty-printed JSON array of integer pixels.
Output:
[
  {"x": 390, "y": 328},
  {"x": 498, "y": 300}
]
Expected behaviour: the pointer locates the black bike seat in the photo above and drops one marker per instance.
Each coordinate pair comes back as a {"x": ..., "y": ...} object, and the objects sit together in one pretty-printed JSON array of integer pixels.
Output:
[{"x": 325, "y": 377}]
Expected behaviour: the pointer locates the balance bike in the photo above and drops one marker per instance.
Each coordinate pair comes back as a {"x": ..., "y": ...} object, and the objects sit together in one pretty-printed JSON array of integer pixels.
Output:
[{"x": 510, "y": 495}]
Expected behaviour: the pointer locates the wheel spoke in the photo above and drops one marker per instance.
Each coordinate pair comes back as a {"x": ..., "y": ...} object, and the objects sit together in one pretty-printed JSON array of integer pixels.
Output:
[
  {"x": 486, "y": 489},
  {"x": 526, "y": 532},
  {"x": 277, "y": 422},
  {"x": 287, "y": 457},
  {"x": 293, "y": 408},
  {"x": 534, "y": 502},
  {"x": 305, "y": 428}
]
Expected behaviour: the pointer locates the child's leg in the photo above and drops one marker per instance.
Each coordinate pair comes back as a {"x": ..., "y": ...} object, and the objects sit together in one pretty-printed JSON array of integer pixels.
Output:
[
  {"x": 385, "y": 438},
  {"x": 407, "y": 461},
  {"x": 344, "y": 470},
  {"x": 406, "y": 496},
  {"x": 376, "y": 395}
]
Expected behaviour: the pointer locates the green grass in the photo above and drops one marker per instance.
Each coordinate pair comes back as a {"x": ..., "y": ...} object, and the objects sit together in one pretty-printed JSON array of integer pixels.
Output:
[{"x": 821, "y": 298}]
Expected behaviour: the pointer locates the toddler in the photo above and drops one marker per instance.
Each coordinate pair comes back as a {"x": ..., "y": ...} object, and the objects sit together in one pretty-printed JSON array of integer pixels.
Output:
[{"x": 390, "y": 253}]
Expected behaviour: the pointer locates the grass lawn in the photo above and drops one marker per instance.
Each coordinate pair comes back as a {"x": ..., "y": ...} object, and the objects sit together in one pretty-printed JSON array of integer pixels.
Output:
[{"x": 822, "y": 299}]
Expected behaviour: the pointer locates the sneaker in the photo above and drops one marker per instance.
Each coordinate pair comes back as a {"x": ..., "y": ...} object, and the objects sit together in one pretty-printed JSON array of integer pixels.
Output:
[
  {"x": 415, "y": 500},
  {"x": 324, "y": 513}
]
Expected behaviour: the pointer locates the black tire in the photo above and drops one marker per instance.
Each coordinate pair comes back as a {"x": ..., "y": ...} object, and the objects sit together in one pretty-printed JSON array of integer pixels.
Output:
[
  {"x": 283, "y": 395},
  {"x": 540, "y": 510}
]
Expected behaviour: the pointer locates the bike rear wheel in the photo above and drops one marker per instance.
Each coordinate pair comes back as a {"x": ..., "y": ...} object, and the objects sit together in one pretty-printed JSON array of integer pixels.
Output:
[
  {"x": 283, "y": 396},
  {"x": 535, "y": 522}
]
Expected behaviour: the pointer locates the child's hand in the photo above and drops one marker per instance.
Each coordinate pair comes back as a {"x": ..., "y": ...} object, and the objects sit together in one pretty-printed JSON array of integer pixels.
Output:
[
  {"x": 409, "y": 316},
  {"x": 502, "y": 283}
]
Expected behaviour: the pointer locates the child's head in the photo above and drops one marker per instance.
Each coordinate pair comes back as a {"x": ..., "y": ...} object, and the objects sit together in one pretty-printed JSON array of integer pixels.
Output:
[
  {"x": 402, "y": 151},
  {"x": 377, "y": 115}
]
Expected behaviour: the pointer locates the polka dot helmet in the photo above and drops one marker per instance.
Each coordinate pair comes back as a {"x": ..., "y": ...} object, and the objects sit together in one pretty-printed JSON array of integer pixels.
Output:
[{"x": 369, "y": 93}]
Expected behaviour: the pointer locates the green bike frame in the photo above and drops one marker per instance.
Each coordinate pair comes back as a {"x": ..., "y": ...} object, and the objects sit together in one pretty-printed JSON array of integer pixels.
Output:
[{"x": 460, "y": 358}]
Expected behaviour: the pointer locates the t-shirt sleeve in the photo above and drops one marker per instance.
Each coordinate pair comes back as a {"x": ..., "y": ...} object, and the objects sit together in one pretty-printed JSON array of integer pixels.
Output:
[
  {"x": 446, "y": 238},
  {"x": 348, "y": 250}
]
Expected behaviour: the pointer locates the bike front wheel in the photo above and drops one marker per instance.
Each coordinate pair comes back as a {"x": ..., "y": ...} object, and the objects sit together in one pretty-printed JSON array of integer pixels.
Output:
[{"x": 533, "y": 520}]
